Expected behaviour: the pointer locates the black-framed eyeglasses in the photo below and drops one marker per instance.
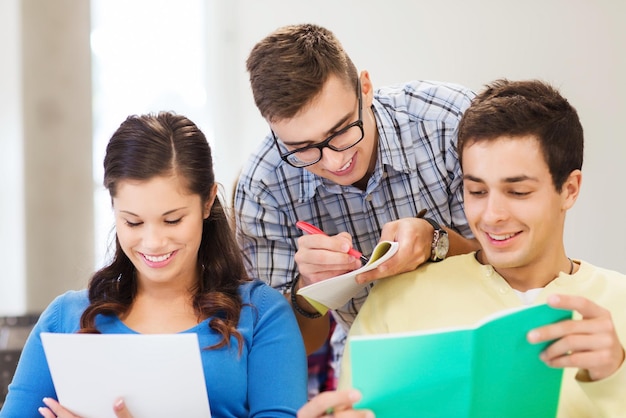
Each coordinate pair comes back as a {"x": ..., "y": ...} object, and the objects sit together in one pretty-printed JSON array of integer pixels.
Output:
[{"x": 339, "y": 141}]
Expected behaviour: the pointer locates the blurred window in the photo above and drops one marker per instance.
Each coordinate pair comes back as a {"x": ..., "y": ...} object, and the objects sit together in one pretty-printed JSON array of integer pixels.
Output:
[{"x": 147, "y": 56}]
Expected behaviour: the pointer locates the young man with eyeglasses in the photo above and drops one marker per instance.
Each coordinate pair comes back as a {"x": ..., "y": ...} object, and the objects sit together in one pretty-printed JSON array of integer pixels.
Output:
[{"x": 357, "y": 163}]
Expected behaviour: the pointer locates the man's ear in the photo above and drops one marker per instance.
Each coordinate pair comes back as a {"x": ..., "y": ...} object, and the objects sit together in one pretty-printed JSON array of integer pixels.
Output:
[
  {"x": 209, "y": 201},
  {"x": 571, "y": 189},
  {"x": 367, "y": 89}
]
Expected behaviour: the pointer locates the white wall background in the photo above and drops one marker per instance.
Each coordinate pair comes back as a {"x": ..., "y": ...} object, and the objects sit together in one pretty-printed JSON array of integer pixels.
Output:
[{"x": 578, "y": 45}]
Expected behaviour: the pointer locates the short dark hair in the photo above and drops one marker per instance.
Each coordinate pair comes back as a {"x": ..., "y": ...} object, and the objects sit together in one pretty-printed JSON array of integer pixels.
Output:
[
  {"x": 530, "y": 107},
  {"x": 289, "y": 67}
]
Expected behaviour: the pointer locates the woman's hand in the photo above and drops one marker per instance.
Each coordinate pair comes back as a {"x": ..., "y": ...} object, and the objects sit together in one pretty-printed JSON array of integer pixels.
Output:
[
  {"x": 336, "y": 404},
  {"x": 54, "y": 409},
  {"x": 121, "y": 411}
]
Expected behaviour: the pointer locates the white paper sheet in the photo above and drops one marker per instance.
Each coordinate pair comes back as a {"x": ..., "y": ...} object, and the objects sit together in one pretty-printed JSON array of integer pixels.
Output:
[{"x": 157, "y": 375}]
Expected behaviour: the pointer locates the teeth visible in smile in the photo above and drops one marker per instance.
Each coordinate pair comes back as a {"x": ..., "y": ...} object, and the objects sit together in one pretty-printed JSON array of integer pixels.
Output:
[
  {"x": 345, "y": 167},
  {"x": 157, "y": 259},
  {"x": 500, "y": 237}
]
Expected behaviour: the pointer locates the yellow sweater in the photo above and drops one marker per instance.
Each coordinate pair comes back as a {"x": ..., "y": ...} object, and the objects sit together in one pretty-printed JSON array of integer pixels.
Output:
[{"x": 460, "y": 292}]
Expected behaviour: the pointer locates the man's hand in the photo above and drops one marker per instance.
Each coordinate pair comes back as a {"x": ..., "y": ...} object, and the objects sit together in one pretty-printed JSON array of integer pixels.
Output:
[
  {"x": 590, "y": 344},
  {"x": 337, "y": 404},
  {"x": 320, "y": 257},
  {"x": 414, "y": 237}
]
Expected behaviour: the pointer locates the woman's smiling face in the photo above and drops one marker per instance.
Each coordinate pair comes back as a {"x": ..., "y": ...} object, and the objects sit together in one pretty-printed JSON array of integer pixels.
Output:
[{"x": 159, "y": 227}]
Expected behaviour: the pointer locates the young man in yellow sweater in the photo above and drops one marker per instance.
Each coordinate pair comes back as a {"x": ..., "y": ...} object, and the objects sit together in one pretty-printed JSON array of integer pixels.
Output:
[{"x": 521, "y": 153}]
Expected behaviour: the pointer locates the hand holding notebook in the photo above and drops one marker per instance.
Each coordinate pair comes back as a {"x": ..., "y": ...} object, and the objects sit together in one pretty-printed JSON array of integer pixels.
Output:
[{"x": 337, "y": 291}]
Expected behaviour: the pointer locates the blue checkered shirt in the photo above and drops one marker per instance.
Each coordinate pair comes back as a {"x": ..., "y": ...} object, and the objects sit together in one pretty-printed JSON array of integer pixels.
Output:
[{"x": 417, "y": 167}]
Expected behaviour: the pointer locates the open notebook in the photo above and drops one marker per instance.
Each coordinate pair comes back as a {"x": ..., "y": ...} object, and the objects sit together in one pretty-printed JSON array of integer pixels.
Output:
[{"x": 335, "y": 292}]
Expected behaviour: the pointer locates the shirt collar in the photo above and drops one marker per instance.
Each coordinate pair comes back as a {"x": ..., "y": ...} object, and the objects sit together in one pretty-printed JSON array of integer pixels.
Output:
[{"x": 395, "y": 150}]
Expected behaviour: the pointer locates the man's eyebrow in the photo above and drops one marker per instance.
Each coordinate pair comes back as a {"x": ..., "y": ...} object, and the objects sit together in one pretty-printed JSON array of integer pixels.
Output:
[
  {"x": 328, "y": 133},
  {"x": 341, "y": 122},
  {"x": 472, "y": 178},
  {"x": 514, "y": 179},
  {"x": 518, "y": 179}
]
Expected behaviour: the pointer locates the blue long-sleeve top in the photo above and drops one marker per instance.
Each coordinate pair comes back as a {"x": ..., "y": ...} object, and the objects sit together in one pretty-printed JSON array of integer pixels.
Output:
[{"x": 267, "y": 380}]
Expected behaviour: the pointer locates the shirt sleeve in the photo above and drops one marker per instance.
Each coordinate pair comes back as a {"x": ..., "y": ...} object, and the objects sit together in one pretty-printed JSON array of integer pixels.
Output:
[
  {"x": 458, "y": 220},
  {"x": 266, "y": 234},
  {"x": 607, "y": 395},
  {"x": 277, "y": 361}
]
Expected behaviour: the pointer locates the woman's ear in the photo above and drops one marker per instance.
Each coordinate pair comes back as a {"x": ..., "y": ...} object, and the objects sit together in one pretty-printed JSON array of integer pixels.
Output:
[{"x": 208, "y": 204}]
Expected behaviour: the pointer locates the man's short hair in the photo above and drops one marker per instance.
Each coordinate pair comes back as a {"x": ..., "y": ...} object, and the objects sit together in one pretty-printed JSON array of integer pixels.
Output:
[
  {"x": 289, "y": 67},
  {"x": 524, "y": 108}
]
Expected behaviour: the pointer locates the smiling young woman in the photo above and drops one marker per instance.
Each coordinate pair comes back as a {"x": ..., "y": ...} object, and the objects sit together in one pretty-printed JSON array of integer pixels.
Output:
[{"x": 176, "y": 269}]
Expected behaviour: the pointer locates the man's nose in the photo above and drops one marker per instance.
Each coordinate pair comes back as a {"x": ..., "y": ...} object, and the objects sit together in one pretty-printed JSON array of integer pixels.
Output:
[
  {"x": 495, "y": 210},
  {"x": 333, "y": 160}
]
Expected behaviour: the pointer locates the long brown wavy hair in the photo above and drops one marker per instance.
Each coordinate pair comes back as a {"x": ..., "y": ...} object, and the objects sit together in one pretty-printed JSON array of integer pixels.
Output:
[{"x": 142, "y": 148}]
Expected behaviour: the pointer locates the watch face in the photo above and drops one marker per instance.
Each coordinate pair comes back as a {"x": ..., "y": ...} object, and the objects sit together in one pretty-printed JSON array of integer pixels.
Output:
[{"x": 442, "y": 246}]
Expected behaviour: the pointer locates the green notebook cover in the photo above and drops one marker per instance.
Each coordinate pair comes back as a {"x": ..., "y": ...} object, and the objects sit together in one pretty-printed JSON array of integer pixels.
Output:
[{"x": 486, "y": 371}]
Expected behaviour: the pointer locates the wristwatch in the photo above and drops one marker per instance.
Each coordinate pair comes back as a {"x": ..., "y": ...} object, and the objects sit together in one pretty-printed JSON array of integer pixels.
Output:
[{"x": 440, "y": 244}]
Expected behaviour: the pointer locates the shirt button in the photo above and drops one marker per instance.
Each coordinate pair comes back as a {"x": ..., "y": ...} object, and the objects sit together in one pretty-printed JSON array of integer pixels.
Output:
[
  {"x": 385, "y": 175},
  {"x": 502, "y": 290},
  {"x": 368, "y": 197}
]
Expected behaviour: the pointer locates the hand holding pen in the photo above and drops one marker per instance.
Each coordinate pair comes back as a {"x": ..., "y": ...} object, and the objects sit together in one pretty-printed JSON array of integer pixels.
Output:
[
  {"x": 310, "y": 229},
  {"x": 320, "y": 256}
]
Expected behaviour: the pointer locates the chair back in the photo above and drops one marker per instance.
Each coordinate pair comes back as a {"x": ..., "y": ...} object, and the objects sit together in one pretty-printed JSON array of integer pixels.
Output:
[{"x": 8, "y": 363}]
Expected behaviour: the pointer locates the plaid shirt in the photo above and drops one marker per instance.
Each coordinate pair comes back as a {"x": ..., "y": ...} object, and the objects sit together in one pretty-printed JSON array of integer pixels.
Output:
[{"x": 417, "y": 167}]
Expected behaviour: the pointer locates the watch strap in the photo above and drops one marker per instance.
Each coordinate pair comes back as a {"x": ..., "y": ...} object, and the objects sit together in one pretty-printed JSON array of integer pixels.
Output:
[
  {"x": 433, "y": 223},
  {"x": 437, "y": 234}
]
